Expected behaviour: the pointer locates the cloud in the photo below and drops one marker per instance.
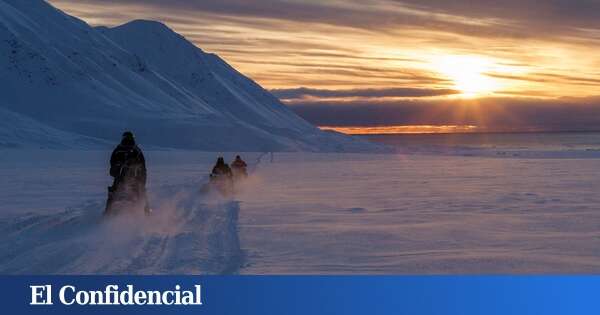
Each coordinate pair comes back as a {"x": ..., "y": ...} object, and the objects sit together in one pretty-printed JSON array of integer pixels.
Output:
[
  {"x": 549, "y": 46},
  {"x": 549, "y": 13},
  {"x": 303, "y": 92},
  {"x": 510, "y": 18},
  {"x": 497, "y": 114}
]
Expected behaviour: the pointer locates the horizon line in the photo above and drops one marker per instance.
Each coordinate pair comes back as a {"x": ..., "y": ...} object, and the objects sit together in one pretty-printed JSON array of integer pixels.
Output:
[{"x": 390, "y": 130}]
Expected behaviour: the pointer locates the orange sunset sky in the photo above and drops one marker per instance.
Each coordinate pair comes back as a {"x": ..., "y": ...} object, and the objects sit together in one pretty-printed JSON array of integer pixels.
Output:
[{"x": 492, "y": 64}]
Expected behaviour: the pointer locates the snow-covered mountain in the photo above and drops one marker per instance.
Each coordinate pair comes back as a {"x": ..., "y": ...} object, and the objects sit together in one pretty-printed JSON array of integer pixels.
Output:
[{"x": 69, "y": 84}]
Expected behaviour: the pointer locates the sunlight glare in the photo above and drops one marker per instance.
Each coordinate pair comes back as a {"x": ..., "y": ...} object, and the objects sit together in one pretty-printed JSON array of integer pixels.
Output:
[{"x": 468, "y": 73}]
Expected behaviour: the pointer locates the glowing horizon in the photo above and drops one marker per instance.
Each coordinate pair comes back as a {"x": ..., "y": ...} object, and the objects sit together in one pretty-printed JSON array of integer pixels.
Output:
[{"x": 401, "y": 129}]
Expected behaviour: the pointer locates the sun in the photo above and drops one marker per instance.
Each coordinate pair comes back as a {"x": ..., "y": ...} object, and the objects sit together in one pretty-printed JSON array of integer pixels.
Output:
[{"x": 468, "y": 74}]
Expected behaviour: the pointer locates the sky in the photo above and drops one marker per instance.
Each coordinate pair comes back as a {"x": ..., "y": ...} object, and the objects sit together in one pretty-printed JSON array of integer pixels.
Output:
[{"x": 495, "y": 65}]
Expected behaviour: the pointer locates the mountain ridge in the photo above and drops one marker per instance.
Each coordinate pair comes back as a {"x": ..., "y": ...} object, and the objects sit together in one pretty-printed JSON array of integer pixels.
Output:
[{"x": 95, "y": 82}]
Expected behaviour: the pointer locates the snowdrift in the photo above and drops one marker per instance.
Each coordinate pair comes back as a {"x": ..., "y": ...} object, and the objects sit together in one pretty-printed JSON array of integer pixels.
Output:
[{"x": 89, "y": 84}]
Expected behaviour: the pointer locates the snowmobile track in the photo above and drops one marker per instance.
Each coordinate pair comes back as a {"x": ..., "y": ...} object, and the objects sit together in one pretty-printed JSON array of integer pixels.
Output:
[{"x": 188, "y": 233}]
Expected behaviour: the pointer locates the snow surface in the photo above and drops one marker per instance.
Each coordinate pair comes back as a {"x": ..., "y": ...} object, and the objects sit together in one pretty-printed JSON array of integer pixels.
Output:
[
  {"x": 434, "y": 207},
  {"x": 93, "y": 83},
  {"x": 188, "y": 233},
  {"x": 306, "y": 213}
]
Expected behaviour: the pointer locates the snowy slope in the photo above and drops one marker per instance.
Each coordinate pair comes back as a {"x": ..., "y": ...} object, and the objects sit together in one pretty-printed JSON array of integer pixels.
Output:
[
  {"x": 18, "y": 131},
  {"x": 95, "y": 82}
]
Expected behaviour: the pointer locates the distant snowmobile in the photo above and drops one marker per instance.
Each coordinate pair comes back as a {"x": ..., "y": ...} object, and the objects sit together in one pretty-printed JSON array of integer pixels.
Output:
[
  {"x": 221, "y": 177},
  {"x": 239, "y": 168},
  {"x": 128, "y": 168}
]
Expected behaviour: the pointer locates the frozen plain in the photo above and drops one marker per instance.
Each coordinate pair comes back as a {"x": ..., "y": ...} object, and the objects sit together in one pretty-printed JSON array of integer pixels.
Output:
[{"x": 305, "y": 213}]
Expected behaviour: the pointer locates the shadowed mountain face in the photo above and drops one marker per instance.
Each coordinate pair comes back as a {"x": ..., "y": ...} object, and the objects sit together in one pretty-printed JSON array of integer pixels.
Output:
[{"x": 60, "y": 74}]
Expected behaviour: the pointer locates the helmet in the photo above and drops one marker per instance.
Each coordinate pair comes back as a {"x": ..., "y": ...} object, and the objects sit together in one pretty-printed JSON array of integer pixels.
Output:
[
  {"x": 128, "y": 134},
  {"x": 128, "y": 138}
]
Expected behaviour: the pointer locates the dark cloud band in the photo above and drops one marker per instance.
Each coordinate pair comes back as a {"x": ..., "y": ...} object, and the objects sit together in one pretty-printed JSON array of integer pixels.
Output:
[
  {"x": 497, "y": 114},
  {"x": 299, "y": 93}
]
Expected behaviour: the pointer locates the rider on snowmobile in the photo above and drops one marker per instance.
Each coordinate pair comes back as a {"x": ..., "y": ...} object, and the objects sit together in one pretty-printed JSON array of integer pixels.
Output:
[
  {"x": 221, "y": 177},
  {"x": 239, "y": 167},
  {"x": 128, "y": 168},
  {"x": 221, "y": 169}
]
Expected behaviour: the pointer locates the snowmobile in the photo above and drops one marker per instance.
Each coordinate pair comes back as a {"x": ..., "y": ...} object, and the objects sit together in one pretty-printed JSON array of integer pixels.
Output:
[
  {"x": 239, "y": 173},
  {"x": 221, "y": 178},
  {"x": 126, "y": 195},
  {"x": 239, "y": 169},
  {"x": 223, "y": 183}
]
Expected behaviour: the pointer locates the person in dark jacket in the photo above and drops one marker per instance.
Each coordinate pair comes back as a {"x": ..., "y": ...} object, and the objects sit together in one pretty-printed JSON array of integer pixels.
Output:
[
  {"x": 221, "y": 169},
  {"x": 239, "y": 167},
  {"x": 221, "y": 177},
  {"x": 128, "y": 168}
]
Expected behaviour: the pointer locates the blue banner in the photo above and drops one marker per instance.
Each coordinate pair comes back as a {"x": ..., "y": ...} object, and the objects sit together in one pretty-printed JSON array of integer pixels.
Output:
[{"x": 462, "y": 295}]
